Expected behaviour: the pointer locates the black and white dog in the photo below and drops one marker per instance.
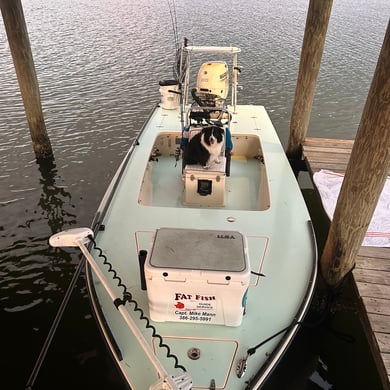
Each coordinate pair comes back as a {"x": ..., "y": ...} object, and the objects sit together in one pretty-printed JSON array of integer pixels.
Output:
[{"x": 205, "y": 147}]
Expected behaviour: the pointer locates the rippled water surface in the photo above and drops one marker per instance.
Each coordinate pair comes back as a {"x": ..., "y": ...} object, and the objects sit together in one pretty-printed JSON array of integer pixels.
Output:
[{"x": 98, "y": 63}]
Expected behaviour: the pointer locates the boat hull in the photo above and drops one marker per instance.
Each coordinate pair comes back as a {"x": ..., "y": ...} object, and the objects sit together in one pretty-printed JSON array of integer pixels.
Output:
[{"x": 262, "y": 201}]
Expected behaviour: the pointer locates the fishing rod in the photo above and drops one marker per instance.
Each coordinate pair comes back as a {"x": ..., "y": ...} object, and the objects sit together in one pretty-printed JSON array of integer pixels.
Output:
[
  {"x": 54, "y": 326},
  {"x": 172, "y": 11}
]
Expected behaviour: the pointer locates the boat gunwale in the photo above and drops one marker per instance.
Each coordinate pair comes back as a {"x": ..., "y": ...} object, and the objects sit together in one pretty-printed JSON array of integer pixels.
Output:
[{"x": 282, "y": 347}]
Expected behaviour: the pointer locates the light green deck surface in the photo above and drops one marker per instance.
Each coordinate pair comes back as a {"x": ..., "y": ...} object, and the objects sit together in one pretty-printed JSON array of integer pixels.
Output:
[
  {"x": 242, "y": 186},
  {"x": 279, "y": 239}
]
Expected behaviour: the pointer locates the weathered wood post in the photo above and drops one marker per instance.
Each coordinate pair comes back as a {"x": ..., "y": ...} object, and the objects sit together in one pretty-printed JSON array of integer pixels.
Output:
[
  {"x": 364, "y": 178},
  {"x": 312, "y": 48},
  {"x": 19, "y": 43}
]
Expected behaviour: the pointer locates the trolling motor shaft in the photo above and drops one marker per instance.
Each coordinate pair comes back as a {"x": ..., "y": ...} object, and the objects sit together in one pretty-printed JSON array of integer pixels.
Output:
[{"x": 79, "y": 237}]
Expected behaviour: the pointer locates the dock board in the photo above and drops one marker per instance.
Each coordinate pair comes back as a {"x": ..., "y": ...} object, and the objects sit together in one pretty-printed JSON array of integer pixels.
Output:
[{"x": 372, "y": 272}]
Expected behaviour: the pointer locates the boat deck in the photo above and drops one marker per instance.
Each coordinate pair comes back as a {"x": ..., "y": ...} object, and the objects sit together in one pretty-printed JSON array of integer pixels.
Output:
[
  {"x": 242, "y": 186},
  {"x": 246, "y": 188},
  {"x": 261, "y": 200},
  {"x": 372, "y": 272}
]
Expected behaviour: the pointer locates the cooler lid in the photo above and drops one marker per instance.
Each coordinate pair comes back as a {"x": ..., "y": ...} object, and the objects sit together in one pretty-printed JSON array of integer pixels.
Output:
[{"x": 209, "y": 250}]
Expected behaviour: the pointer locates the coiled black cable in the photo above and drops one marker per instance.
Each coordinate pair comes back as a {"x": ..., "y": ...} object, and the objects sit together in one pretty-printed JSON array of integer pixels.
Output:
[{"x": 127, "y": 297}]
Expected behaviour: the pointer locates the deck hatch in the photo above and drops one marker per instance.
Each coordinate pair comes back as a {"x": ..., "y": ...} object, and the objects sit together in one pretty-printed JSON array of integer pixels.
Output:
[{"x": 208, "y": 250}]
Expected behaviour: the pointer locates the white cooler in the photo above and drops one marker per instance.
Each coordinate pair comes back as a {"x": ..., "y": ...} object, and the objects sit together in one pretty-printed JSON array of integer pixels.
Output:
[{"x": 197, "y": 276}]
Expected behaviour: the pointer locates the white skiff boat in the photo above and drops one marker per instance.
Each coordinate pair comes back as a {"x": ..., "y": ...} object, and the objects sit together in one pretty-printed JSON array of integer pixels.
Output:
[{"x": 200, "y": 274}]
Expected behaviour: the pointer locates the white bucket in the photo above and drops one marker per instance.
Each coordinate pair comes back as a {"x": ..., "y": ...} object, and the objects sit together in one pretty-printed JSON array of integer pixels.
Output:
[{"x": 169, "y": 94}]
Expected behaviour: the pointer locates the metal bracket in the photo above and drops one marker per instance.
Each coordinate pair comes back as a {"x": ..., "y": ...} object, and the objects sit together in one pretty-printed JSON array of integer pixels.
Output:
[{"x": 241, "y": 367}]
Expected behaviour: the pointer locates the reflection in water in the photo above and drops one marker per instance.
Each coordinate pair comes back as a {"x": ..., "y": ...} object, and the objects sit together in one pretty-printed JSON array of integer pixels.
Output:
[
  {"x": 33, "y": 280},
  {"x": 30, "y": 271},
  {"x": 33, "y": 276},
  {"x": 54, "y": 199}
]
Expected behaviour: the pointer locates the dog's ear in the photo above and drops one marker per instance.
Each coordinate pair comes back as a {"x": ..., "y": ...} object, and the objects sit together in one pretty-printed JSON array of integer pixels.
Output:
[{"x": 221, "y": 129}]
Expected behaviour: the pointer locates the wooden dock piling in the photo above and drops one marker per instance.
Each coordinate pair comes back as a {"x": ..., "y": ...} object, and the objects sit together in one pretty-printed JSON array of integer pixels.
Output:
[
  {"x": 19, "y": 43},
  {"x": 366, "y": 164},
  {"x": 364, "y": 178},
  {"x": 312, "y": 49}
]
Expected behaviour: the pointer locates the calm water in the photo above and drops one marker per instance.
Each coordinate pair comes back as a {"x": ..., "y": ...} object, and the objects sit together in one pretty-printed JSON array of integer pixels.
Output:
[{"x": 98, "y": 64}]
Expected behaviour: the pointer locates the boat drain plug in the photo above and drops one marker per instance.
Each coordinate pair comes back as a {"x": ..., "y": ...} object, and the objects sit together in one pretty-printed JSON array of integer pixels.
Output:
[{"x": 193, "y": 353}]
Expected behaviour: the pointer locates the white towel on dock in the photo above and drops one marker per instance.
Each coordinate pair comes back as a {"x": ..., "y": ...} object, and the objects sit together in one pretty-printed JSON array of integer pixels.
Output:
[{"x": 378, "y": 233}]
